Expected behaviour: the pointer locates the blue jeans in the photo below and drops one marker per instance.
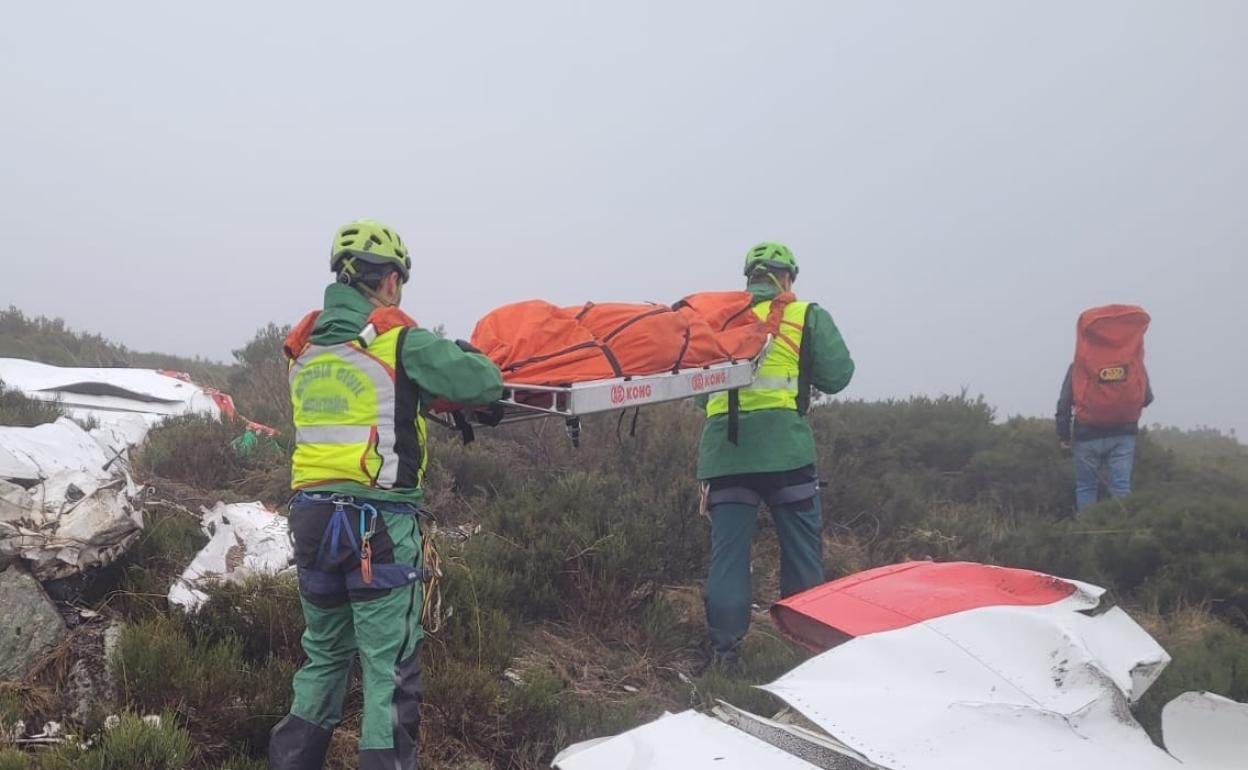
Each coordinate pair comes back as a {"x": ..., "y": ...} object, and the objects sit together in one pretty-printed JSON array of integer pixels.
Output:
[{"x": 1098, "y": 459}]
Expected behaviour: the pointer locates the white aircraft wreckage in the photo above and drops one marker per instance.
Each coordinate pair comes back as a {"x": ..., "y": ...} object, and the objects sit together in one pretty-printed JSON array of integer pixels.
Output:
[
  {"x": 67, "y": 502},
  {"x": 956, "y": 666}
]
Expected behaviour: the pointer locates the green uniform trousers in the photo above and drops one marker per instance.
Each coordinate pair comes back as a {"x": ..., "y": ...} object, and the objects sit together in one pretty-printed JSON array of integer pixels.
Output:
[
  {"x": 346, "y": 617},
  {"x": 799, "y": 528}
]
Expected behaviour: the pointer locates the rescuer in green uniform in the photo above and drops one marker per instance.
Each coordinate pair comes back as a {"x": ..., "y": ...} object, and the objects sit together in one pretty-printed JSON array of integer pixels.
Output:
[
  {"x": 361, "y": 377},
  {"x": 756, "y": 447}
]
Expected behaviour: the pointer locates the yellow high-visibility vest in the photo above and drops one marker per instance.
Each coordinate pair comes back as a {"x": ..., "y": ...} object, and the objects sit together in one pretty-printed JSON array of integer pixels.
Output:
[
  {"x": 356, "y": 416},
  {"x": 775, "y": 383}
]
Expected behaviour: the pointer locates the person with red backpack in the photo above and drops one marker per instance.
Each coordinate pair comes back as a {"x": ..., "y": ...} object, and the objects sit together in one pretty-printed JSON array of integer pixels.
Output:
[
  {"x": 1102, "y": 397},
  {"x": 757, "y": 448}
]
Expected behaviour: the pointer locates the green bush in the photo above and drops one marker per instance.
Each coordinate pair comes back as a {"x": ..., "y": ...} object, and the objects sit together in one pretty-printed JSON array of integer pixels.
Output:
[
  {"x": 65, "y": 756},
  {"x": 19, "y": 410},
  {"x": 12, "y": 759},
  {"x": 132, "y": 743},
  {"x": 259, "y": 383},
  {"x": 227, "y": 700},
  {"x": 197, "y": 451},
  {"x": 194, "y": 450},
  {"x": 262, "y": 612},
  {"x": 157, "y": 661},
  {"x": 51, "y": 341},
  {"x": 1020, "y": 471},
  {"x": 467, "y": 699},
  {"x": 266, "y": 701},
  {"x": 1168, "y": 545},
  {"x": 586, "y": 544},
  {"x": 136, "y": 745},
  {"x": 1208, "y": 655},
  {"x": 169, "y": 542}
]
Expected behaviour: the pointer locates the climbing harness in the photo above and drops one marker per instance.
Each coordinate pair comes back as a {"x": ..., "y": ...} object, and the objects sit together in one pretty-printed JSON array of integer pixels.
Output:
[
  {"x": 339, "y": 525},
  {"x": 356, "y": 523}
]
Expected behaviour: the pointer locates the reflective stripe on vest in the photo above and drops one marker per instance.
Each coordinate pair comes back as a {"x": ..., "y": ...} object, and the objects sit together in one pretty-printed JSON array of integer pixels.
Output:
[
  {"x": 775, "y": 384},
  {"x": 346, "y": 411},
  {"x": 333, "y": 434}
]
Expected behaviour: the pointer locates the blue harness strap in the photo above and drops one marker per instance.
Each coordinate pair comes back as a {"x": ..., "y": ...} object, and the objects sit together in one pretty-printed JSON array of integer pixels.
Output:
[
  {"x": 332, "y": 536},
  {"x": 386, "y": 576}
]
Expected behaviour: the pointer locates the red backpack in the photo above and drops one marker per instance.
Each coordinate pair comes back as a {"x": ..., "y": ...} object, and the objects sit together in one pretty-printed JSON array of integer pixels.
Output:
[{"x": 1109, "y": 381}]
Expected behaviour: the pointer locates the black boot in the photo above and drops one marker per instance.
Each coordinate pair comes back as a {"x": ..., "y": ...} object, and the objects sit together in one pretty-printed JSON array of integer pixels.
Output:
[{"x": 295, "y": 744}]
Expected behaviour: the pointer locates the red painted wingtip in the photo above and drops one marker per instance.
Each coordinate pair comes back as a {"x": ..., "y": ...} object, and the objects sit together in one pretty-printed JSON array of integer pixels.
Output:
[{"x": 899, "y": 595}]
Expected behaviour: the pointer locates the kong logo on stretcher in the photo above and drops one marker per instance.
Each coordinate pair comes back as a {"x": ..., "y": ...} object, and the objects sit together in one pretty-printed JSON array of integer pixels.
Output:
[
  {"x": 622, "y": 394},
  {"x": 701, "y": 381},
  {"x": 591, "y": 396}
]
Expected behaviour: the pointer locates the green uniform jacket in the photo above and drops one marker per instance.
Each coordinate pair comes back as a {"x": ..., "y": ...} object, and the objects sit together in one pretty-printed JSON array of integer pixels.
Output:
[
  {"x": 777, "y": 439},
  {"x": 437, "y": 366}
]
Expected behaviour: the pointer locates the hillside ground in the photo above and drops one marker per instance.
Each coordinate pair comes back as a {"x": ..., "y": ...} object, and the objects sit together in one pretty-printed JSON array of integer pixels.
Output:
[{"x": 572, "y": 596}]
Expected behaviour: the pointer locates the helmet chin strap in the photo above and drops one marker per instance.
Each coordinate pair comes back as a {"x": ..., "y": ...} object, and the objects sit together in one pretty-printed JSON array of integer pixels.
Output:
[
  {"x": 344, "y": 277},
  {"x": 374, "y": 297},
  {"x": 771, "y": 276}
]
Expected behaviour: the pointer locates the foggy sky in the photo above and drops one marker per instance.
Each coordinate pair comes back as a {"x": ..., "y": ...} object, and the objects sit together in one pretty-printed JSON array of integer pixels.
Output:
[{"x": 957, "y": 179}]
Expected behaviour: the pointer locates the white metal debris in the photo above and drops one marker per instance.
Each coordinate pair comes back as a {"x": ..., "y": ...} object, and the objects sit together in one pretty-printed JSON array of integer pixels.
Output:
[
  {"x": 34, "y": 454},
  {"x": 817, "y": 748},
  {"x": 1031, "y": 687},
  {"x": 1024, "y": 686},
  {"x": 688, "y": 741},
  {"x": 74, "y": 506},
  {"x": 80, "y": 512},
  {"x": 100, "y": 390},
  {"x": 1206, "y": 731},
  {"x": 246, "y": 539}
]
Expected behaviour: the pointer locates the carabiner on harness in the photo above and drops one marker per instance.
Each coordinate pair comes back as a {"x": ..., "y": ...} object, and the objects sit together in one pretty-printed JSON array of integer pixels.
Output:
[{"x": 366, "y": 547}]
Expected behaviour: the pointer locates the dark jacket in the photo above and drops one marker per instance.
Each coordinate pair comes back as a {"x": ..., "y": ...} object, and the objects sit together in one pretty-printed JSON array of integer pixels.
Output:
[{"x": 1065, "y": 416}]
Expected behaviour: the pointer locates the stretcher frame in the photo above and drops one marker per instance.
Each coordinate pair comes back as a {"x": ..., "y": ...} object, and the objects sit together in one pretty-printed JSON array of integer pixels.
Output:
[{"x": 574, "y": 401}]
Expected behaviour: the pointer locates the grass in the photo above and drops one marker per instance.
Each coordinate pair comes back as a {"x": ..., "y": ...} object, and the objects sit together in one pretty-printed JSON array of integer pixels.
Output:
[
  {"x": 139, "y": 745},
  {"x": 12, "y": 759}
]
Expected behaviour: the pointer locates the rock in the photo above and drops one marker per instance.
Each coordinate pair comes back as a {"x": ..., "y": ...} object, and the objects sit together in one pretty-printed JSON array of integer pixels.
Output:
[
  {"x": 112, "y": 639},
  {"x": 85, "y": 690},
  {"x": 30, "y": 626},
  {"x": 88, "y": 687}
]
